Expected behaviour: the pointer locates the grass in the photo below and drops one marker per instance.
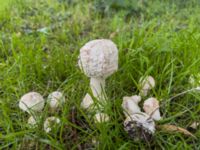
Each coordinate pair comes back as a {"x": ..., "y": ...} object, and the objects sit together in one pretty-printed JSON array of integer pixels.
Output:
[{"x": 39, "y": 46}]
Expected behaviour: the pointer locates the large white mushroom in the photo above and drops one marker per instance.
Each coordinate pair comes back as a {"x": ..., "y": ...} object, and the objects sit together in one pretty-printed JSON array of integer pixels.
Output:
[
  {"x": 31, "y": 102},
  {"x": 98, "y": 59},
  {"x": 55, "y": 99}
]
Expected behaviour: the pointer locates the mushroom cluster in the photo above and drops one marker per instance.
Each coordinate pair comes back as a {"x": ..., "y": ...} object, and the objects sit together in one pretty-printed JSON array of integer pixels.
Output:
[
  {"x": 98, "y": 60},
  {"x": 33, "y": 103},
  {"x": 138, "y": 124}
]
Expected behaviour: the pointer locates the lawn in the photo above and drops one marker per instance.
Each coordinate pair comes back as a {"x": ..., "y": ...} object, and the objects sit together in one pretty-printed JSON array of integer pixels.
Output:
[{"x": 39, "y": 47}]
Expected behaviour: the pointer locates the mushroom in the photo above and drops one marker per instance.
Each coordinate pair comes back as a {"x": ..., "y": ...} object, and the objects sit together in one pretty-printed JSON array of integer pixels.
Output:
[
  {"x": 194, "y": 125},
  {"x": 146, "y": 84},
  {"x": 139, "y": 126},
  {"x": 55, "y": 99},
  {"x": 101, "y": 117},
  {"x": 31, "y": 121},
  {"x": 151, "y": 107},
  {"x": 87, "y": 101},
  {"x": 31, "y": 101},
  {"x": 98, "y": 59},
  {"x": 50, "y": 122},
  {"x": 130, "y": 104}
]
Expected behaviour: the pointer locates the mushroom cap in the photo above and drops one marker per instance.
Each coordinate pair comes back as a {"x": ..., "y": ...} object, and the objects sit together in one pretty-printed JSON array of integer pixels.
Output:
[
  {"x": 55, "y": 98},
  {"x": 31, "y": 101},
  {"x": 31, "y": 121},
  {"x": 151, "y": 107},
  {"x": 130, "y": 105},
  {"x": 87, "y": 101},
  {"x": 99, "y": 58},
  {"x": 139, "y": 125},
  {"x": 146, "y": 84},
  {"x": 50, "y": 122}
]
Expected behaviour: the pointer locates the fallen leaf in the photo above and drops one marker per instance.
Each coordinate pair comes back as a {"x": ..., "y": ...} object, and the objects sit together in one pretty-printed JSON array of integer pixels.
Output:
[{"x": 172, "y": 128}]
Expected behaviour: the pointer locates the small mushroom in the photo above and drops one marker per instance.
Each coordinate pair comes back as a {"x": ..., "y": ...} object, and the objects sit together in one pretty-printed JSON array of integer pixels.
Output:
[
  {"x": 139, "y": 126},
  {"x": 50, "y": 122},
  {"x": 130, "y": 104},
  {"x": 151, "y": 107},
  {"x": 31, "y": 121},
  {"x": 146, "y": 84},
  {"x": 101, "y": 118},
  {"x": 87, "y": 101},
  {"x": 31, "y": 101},
  {"x": 55, "y": 99},
  {"x": 194, "y": 125}
]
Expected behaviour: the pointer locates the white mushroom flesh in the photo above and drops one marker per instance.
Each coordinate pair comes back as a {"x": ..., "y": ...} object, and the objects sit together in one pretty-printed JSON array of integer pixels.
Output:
[{"x": 32, "y": 101}]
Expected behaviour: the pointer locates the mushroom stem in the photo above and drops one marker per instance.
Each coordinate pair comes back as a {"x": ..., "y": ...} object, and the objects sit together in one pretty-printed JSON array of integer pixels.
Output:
[{"x": 97, "y": 86}]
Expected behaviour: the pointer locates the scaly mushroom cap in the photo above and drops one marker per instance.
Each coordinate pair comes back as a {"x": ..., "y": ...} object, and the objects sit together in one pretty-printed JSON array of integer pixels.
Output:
[
  {"x": 99, "y": 58},
  {"x": 33, "y": 101},
  {"x": 55, "y": 98}
]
